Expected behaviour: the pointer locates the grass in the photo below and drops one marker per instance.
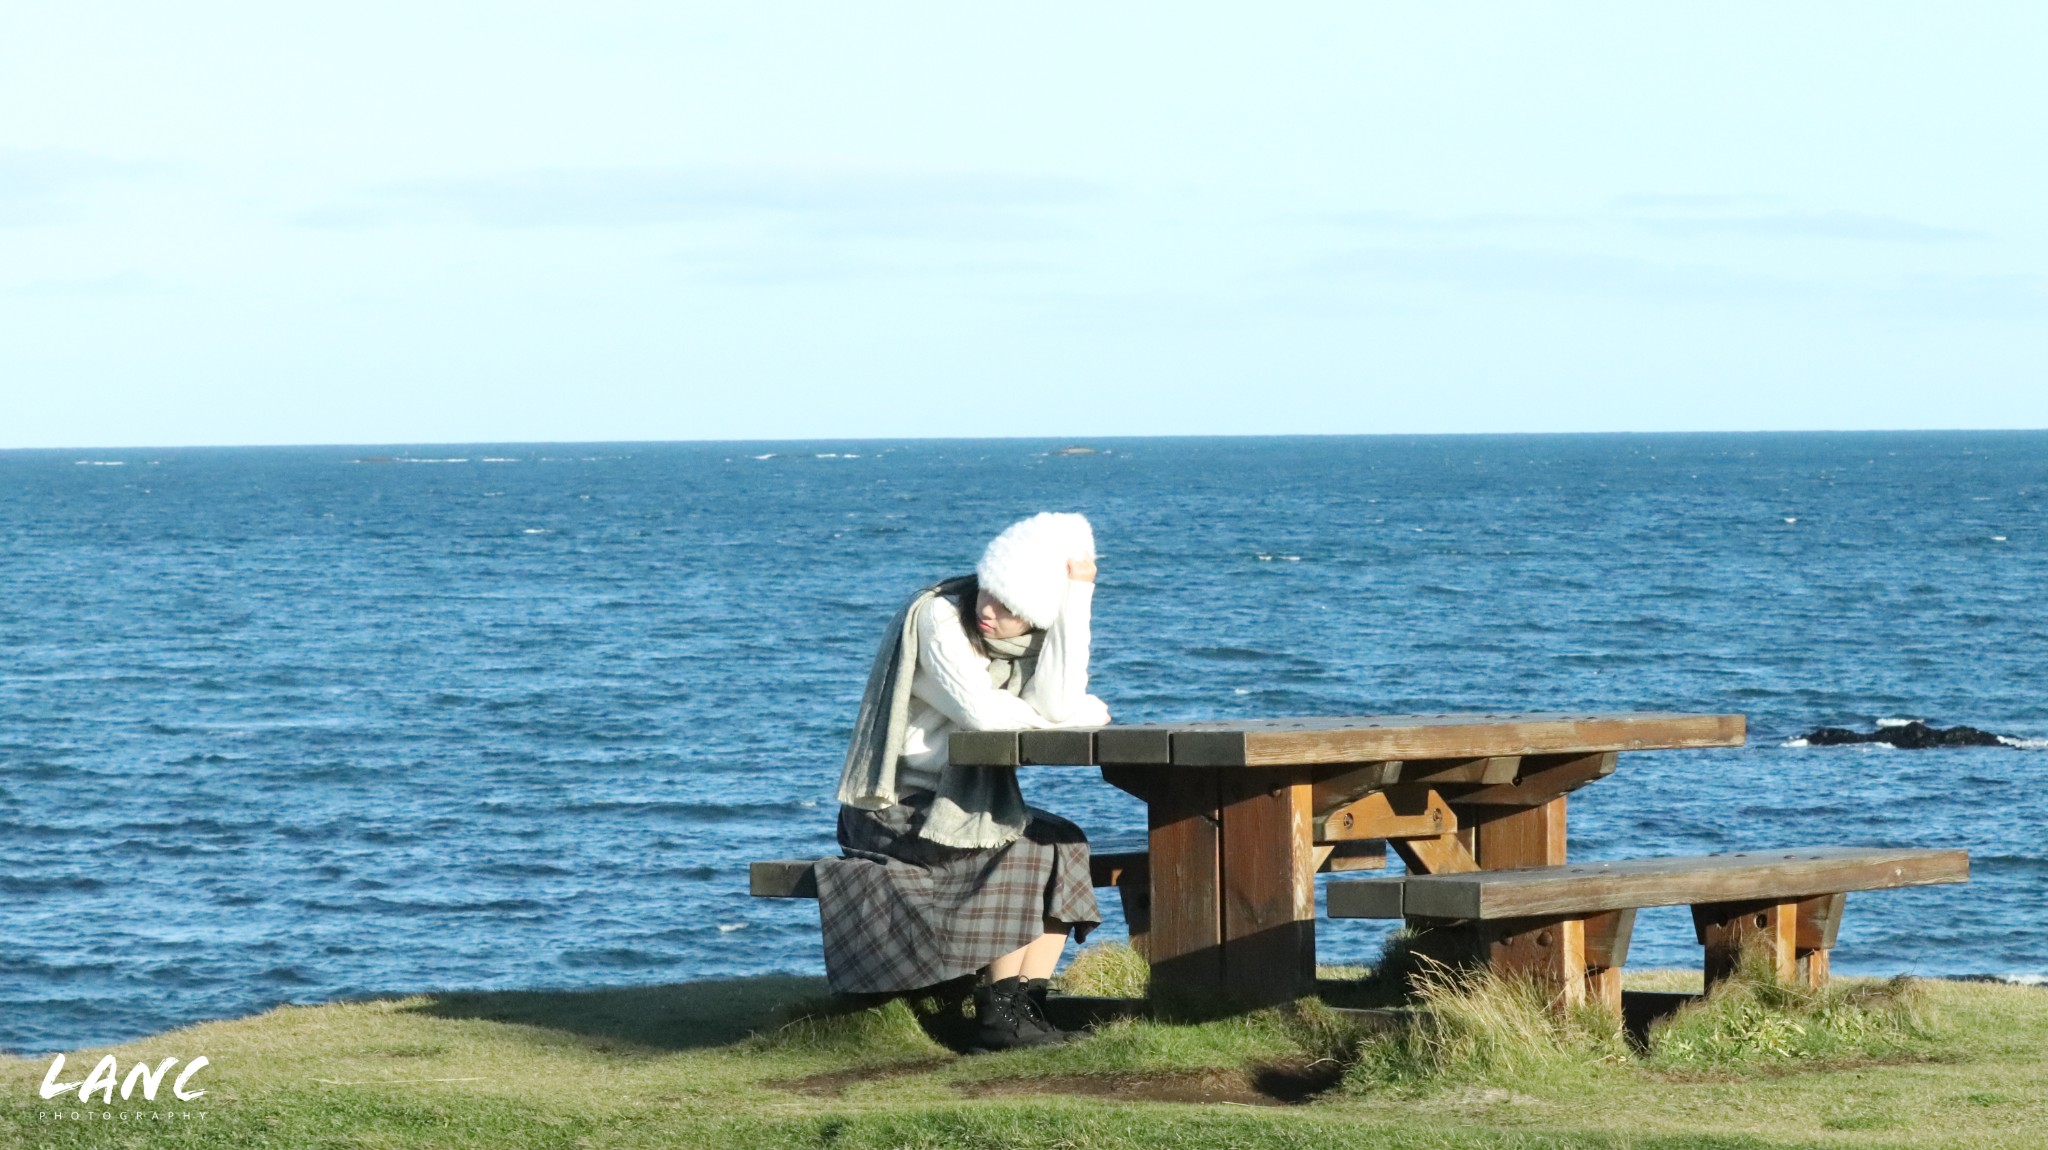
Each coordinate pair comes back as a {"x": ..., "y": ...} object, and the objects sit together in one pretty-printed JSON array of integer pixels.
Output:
[{"x": 772, "y": 1062}]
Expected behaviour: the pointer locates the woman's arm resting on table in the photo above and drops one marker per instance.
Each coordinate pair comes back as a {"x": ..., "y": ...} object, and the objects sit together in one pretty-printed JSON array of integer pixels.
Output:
[{"x": 954, "y": 680}]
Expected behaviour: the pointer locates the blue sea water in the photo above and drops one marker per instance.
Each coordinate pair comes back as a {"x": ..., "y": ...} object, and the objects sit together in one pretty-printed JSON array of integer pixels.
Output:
[{"x": 287, "y": 725}]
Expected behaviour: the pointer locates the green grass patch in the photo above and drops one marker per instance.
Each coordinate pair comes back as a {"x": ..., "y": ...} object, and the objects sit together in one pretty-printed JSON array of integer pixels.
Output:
[
  {"x": 776, "y": 1062},
  {"x": 1751, "y": 1022}
]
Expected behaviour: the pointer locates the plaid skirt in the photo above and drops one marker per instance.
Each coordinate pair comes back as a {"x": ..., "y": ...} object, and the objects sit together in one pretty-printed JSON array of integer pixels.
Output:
[{"x": 902, "y": 913}]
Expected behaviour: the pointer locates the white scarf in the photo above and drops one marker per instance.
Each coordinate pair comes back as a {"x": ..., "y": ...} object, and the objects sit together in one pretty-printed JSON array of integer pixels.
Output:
[{"x": 974, "y": 807}]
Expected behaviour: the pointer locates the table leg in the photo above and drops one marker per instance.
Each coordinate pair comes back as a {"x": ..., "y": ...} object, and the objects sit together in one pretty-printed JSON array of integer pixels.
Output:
[
  {"x": 1269, "y": 894},
  {"x": 1512, "y": 837},
  {"x": 1186, "y": 937}
]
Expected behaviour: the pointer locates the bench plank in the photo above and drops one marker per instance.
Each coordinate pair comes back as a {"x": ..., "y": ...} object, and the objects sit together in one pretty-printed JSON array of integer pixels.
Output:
[
  {"x": 794, "y": 878},
  {"x": 782, "y": 878},
  {"x": 1582, "y": 888}
]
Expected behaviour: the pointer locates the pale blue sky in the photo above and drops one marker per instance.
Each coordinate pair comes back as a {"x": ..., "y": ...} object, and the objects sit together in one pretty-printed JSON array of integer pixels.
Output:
[{"x": 245, "y": 223}]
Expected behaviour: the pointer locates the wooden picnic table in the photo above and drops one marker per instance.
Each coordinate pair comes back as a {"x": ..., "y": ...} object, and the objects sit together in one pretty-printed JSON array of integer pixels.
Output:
[{"x": 1241, "y": 814}]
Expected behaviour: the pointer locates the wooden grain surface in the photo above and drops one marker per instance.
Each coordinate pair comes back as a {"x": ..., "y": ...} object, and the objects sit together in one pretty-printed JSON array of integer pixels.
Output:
[
  {"x": 1268, "y": 888},
  {"x": 1777, "y": 875},
  {"x": 1346, "y": 739},
  {"x": 1186, "y": 940},
  {"x": 1724, "y": 928},
  {"x": 1438, "y": 854}
]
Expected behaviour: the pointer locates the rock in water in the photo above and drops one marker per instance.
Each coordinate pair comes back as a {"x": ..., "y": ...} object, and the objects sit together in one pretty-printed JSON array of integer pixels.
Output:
[{"x": 1912, "y": 736}]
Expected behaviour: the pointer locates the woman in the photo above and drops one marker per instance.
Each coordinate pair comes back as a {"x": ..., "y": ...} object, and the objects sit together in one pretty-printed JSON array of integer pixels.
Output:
[{"x": 946, "y": 871}]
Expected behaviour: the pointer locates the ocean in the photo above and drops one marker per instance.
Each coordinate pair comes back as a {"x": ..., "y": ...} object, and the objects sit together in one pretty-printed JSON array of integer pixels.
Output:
[{"x": 296, "y": 724}]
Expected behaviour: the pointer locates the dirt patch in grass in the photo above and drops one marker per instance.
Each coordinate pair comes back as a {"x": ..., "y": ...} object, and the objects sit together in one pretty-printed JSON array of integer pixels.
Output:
[
  {"x": 834, "y": 1085},
  {"x": 1290, "y": 1082}
]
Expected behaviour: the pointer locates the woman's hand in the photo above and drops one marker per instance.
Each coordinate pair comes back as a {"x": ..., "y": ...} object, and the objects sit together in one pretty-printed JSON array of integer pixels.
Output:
[{"x": 1082, "y": 570}]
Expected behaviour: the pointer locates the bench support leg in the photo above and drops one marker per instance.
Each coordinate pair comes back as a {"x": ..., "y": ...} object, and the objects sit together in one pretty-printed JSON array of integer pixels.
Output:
[
  {"x": 1723, "y": 929},
  {"x": 1607, "y": 939},
  {"x": 1579, "y": 959},
  {"x": 1550, "y": 951},
  {"x": 1819, "y": 918}
]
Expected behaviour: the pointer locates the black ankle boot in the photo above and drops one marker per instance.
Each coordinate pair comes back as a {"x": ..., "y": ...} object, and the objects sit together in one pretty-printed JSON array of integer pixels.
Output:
[
  {"x": 1032, "y": 1002},
  {"x": 1003, "y": 1019}
]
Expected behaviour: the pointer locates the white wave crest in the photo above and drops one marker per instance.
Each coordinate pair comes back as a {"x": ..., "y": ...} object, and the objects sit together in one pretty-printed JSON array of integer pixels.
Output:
[
  {"x": 2024, "y": 744},
  {"x": 1799, "y": 743},
  {"x": 102, "y": 463},
  {"x": 1896, "y": 722}
]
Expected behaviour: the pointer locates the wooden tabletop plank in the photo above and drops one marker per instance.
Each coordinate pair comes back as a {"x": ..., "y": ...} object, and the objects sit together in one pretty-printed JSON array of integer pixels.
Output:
[
  {"x": 1345, "y": 739},
  {"x": 1455, "y": 736}
]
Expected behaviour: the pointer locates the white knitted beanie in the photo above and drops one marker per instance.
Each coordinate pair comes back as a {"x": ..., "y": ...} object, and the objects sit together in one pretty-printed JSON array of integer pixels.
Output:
[{"x": 1026, "y": 566}]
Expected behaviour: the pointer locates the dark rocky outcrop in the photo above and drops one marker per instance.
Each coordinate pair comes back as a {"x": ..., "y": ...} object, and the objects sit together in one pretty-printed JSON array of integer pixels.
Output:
[{"x": 1912, "y": 736}]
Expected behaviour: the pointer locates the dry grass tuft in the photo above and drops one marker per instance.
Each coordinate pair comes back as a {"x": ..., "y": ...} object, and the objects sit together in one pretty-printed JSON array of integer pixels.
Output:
[
  {"x": 1476, "y": 1025},
  {"x": 1107, "y": 970}
]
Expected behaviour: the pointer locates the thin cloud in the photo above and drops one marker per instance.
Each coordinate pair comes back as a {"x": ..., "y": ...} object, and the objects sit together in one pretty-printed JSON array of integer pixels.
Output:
[
  {"x": 1812, "y": 225},
  {"x": 40, "y": 185},
  {"x": 1669, "y": 215},
  {"x": 1769, "y": 217},
  {"x": 115, "y": 284},
  {"x": 778, "y": 264},
  {"x": 1412, "y": 223},
  {"x": 1693, "y": 202},
  {"x": 1550, "y": 272},
  {"x": 1555, "y": 273},
  {"x": 1979, "y": 297},
  {"x": 832, "y": 202}
]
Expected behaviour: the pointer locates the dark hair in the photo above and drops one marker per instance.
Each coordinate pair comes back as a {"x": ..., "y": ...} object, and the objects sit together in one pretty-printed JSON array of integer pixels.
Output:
[{"x": 965, "y": 593}]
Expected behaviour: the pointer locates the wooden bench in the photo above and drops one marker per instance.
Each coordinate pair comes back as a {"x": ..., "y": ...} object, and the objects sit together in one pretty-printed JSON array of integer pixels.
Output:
[
  {"x": 1128, "y": 871},
  {"x": 1570, "y": 925}
]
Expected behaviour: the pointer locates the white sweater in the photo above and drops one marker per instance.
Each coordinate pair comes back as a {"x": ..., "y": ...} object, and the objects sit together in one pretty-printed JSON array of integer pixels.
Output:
[{"x": 951, "y": 691}]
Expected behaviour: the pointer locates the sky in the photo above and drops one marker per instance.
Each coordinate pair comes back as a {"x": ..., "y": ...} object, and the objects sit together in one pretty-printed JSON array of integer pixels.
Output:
[{"x": 463, "y": 223}]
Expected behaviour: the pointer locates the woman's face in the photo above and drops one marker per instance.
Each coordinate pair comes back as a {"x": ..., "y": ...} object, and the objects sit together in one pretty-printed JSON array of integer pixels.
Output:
[{"x": 995, "y": 619}]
